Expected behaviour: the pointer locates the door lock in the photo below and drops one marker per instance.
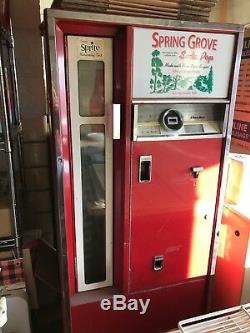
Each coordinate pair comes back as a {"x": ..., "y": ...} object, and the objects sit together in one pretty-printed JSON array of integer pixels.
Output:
[
  {"x": 158, "y": 262},
  {"x": 196, "y": 171},
  {"x": 145, "y": 169}
]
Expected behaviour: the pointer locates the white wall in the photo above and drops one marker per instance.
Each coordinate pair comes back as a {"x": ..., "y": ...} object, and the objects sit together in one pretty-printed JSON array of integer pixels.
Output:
[{"x": 44, "y": 4}]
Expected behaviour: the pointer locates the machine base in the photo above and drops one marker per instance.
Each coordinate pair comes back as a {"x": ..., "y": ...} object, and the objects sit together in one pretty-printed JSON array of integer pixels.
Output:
[{"x": 167, "y": 306}]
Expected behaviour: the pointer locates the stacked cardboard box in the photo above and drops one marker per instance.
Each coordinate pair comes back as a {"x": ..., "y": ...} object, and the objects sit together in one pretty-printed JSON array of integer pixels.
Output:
[{"x": 5, "y": 219}]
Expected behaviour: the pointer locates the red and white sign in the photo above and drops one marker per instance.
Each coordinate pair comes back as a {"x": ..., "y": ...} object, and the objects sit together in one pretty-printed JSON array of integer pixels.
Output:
[{"x": 175, "y": 64}]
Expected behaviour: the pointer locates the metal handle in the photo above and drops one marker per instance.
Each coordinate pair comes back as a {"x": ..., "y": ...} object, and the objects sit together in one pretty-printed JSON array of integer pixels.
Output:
[
  {"x": 145, "y": 169},
  {"x": 116, "y": 121}
]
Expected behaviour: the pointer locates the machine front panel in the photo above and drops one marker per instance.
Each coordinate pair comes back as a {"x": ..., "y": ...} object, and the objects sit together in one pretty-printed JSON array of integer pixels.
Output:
[{"x": 173, "y": 204}]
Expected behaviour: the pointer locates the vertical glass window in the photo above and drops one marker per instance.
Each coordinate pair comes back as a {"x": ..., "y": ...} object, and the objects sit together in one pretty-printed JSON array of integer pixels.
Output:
[
  {"x": 94, "y": 202},
  {"x": 91, "y": 88}
]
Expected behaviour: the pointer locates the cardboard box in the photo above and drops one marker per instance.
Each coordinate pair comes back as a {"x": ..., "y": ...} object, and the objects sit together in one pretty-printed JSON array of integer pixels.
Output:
[
  {"x": 30, "y": 279},
  {"x": 6, "y": 255},
  {"x": 5, "y": 219}
]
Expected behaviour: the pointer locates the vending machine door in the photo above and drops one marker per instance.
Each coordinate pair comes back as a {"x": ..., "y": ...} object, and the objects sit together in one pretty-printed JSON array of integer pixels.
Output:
[
  {"x": 90, "y": 74},
  {"x": 174, "y": 188}
]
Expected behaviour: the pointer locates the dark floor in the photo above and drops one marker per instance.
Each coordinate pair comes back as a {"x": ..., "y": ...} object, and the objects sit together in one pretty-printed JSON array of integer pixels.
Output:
[{"x": 47, "y": 320}]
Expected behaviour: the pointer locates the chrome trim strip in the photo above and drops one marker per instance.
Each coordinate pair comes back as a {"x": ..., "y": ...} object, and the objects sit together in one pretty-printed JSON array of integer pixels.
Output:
[
  {"x": 180, "y": 101},
  {"x": 135, "y": 121},
  {"x": 181, "y": 137}
]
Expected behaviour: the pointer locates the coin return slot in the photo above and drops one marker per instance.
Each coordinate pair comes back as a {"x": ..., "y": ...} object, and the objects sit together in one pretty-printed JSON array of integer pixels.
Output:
[
  {"x": 158, "y": 263},
  {"x": 172, "y": 120}
]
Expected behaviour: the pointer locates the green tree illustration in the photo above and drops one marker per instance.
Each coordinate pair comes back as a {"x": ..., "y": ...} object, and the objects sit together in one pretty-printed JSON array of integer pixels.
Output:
[
  {"x": 204, "y": 83},
  {"x": 177, "y": 79},
  {"x": 210, "y": 80},
  {"x": 201, "y": 83},
  {"x": 184, "y": 83},
  {"x": 168, "y": 83},
  {"x": 156, "y": 64},
  {"x": 175, "y": 82}
]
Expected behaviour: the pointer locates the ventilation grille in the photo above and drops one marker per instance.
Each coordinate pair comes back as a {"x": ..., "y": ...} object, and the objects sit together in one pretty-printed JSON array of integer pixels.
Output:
[{"x": 233, "y": 320}]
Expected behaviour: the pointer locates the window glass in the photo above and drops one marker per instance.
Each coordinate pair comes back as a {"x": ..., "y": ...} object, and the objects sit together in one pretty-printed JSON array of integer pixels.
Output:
[
  {"x": 94, "y": 202},
  {"x": 91, "y": 88}
]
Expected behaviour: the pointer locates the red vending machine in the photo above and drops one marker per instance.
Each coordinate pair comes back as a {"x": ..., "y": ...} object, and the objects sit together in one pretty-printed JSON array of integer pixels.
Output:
[{"x": 141, "y": 115}]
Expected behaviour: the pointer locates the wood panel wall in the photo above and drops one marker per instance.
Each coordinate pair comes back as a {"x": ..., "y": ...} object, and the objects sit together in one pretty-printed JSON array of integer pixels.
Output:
[{"x": 189, "y": 10}]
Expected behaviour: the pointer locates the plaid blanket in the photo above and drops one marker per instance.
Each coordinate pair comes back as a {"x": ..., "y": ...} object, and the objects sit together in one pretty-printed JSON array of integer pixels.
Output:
[{"x": 11, "y": 271}]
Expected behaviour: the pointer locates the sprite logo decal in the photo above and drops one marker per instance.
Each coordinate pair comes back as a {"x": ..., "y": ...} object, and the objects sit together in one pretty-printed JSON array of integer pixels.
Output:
[{"x": 162, "y": 83}]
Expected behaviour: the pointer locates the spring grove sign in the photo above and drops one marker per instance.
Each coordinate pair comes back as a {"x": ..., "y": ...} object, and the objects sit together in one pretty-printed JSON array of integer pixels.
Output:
[{"x": 181, "y": 64}]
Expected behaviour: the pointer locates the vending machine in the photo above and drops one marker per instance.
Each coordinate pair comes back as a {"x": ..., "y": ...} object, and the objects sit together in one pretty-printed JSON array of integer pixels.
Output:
[{"x": 141, "y": 114}]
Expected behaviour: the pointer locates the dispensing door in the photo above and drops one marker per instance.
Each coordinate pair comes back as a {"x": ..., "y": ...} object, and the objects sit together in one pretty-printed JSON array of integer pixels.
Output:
[
  {"x": 175, "y": 169},
  {"x": 90, "y": 91}
]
